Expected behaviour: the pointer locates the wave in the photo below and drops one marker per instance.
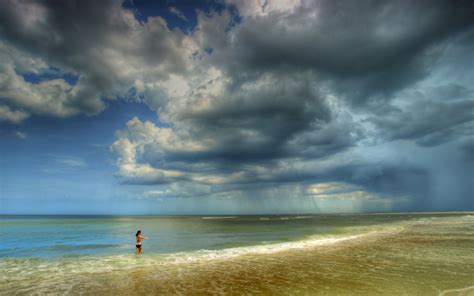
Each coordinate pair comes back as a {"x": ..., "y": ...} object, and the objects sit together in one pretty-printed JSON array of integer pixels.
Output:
[
  {"x": 203, "y": 255},
  {"x": 284, "y": 218},
  {"x": 218, "y": 217},
  {"x": 457, "y": 291}
]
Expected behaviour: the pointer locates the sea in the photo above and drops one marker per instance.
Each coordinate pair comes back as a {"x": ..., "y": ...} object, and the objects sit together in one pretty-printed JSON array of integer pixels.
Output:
[{"x": 322, "y": 254}]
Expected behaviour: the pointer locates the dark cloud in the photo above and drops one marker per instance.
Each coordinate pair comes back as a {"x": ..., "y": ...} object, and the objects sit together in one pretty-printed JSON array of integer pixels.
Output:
[
  {"x": 256, "y": 121},
  {"x": 467, "y": 148},
  {"x": 429, "y": 122},
  {"x": 371, "y": 49},
  {"x": 272, "y": 102},
  {"x": 299, "y": 93},
  {"x": 350, "y": 38},
  {"x": 101, "y": 43},
  {"x": 399, "y": 180}
]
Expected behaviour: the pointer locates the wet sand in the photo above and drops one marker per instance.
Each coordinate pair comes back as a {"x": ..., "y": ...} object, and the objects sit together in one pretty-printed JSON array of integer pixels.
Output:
[{"x": 420, "y": 259}]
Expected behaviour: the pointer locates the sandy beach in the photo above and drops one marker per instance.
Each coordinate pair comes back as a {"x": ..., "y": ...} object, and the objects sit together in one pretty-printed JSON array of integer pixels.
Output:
[{"x": 422, "y": 256}]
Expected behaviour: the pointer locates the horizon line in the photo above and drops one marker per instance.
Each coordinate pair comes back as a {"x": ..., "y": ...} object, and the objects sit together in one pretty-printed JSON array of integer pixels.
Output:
[{"x": 241, "y": 215}]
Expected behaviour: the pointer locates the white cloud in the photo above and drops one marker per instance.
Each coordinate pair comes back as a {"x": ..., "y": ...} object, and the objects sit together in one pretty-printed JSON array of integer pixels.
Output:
[
  {"x": 20, "y": 135},
  {"x": 330, "y": 188},
  {"x": 178, "y": 13},
  {"x": 260, "y": 8},
  {"x": 344, "y": 197},
  {"x": 13, "y": 116},
  {"x": 52, "y": 97},
  {"x": 72, "y": 162},
  {"x": 154, "y": 193}
]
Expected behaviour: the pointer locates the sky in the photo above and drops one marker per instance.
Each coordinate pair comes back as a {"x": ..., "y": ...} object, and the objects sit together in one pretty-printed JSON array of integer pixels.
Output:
[{"x": 236, "y": 107}]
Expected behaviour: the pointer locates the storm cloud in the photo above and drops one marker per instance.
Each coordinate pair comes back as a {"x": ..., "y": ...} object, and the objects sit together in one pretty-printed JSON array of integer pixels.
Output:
[{"x": 335, "y": 105}]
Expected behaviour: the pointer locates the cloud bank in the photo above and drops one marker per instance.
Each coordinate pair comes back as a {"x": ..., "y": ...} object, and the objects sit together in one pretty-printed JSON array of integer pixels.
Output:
[{"x": 264, "y": 100}]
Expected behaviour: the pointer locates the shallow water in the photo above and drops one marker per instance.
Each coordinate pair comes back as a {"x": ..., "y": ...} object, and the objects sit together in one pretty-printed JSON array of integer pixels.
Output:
[{"x": 396, "y": 254}]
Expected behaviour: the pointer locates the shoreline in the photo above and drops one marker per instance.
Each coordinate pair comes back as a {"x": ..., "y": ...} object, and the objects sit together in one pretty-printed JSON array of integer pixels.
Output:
[
  {"x": 399, "y": 258},
  {"x": 366, "y": 265}
]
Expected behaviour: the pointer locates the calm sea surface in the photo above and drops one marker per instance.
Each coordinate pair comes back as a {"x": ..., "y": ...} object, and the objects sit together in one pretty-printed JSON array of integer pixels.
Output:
[{"x": 373, "y": 254}]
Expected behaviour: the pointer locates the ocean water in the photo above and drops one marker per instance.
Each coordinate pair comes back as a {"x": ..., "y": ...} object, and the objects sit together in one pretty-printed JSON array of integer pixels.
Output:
[{"x": 370, "y": 254}]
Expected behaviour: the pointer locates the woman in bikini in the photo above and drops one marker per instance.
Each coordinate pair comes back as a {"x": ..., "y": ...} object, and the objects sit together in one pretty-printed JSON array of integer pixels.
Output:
[{"x": 139, "y": 238}]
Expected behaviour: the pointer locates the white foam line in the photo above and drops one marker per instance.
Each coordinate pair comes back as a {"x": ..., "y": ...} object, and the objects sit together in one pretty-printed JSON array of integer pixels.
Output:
[
  {"x": 261, "y": 249},
  {"x": 456, "y": 290},
  {"x": 216, "y": 217}
]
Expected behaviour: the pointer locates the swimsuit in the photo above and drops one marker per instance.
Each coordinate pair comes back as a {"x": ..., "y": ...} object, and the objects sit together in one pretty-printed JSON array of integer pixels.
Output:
[{"x": 139, "y": 242}]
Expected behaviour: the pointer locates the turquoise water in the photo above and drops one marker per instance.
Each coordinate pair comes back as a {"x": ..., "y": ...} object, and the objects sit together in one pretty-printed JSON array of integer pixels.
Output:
[
  {"x": 372, "y": 254},
  {"x": 46, "y": 237}
]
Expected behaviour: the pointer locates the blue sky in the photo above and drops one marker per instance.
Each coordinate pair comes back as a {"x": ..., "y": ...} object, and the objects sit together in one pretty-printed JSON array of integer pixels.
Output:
[
  {"x": 63, "y": 163},
  {"x": 235, "y": 107}
]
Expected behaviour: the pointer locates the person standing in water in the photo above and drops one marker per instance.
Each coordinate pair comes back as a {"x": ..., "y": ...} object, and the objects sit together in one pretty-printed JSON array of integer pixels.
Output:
[{"x": 139, "y": 238}]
